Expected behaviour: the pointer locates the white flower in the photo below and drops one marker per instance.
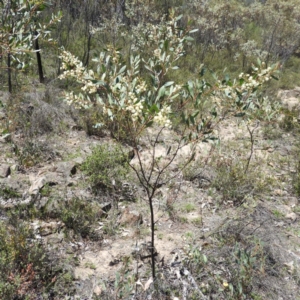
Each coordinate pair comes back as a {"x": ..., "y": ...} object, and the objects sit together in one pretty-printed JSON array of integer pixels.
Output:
[{"x": 157, "y": 52}]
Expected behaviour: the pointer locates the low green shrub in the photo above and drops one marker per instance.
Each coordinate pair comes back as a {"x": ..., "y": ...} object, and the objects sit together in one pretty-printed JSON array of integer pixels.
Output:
[
  {"x": 7, "y": 192},
  {"x": 296, "y": 179},
  {"x": 81, "y": 216},
  {"x": 236, "y": 184},
  {"x": 289, "y": 123},
  {"x": 106, "y": 167},
  {"x": 26, "y": 267}
]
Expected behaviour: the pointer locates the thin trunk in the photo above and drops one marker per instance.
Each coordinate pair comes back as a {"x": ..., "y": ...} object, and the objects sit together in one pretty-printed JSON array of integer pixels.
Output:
[
  {"x": 9, "y": 72},
  {"x": 152, "y": 236},
  {"x": 39, "y": 59},
  {"x": 87, "y": 60}
]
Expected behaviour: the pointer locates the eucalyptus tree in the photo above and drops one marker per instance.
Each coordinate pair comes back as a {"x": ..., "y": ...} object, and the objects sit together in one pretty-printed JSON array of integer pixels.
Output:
[
  {"x": 139, "y": 93},
  {"x": 20, "y": 30}
]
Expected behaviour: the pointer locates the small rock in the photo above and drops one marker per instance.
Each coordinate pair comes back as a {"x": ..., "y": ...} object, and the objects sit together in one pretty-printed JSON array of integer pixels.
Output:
[
  {"x": 5, "y": 138},
  {"x": 15, "y": 167},
  {"x": 290, "y": 266},
  {"x": 49, "y": 227},
  {"x": 292, "y": 201},
  {"x": 97, "y": 290},
  {"x": 42, "y": 203},
  {"x": 79, "y": 160},
  {"x": 36, "y": 185},
  {"x": 291, "y": 216},
  {"x": 2, "y": 115},
  {"x": 67, "y": 168},
  {"x": 131, "y": 217},
  {"x": 4, "y": 171},
  {"x": 55, "y": 238},
  {"x": 279, "y": 224},
  {"x": 291, "y": 103}
]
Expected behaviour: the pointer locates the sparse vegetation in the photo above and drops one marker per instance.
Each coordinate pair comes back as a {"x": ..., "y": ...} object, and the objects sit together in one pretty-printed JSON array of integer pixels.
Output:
[
  {"x": 148, "y": 123},
  {"x": 7, "y": 192},
  {"x": 81, "y": 217},
  {"x": 27, "y": 268},
  {"x": 106, "y": 167},
  {"x": 188, "y": 207}
]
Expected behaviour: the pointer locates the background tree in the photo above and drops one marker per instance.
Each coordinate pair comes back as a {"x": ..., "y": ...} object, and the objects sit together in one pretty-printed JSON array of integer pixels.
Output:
[
  {"x": 136, "y": 95},
  {"x": 20, "y": 31}
]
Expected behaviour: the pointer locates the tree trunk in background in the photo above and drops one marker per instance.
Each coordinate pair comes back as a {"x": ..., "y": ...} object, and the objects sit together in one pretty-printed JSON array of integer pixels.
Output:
[
  {"x": 39, "y": 60},
  {"x": 9, "y": 72}
]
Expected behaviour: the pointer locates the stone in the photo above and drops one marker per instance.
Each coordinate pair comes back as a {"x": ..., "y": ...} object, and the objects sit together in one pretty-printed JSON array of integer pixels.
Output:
[
  {"x": 4, "y": 170},
  {"x": 55, "y": 238},
  {"x": 66, "y": 168},
  {"x": 15, "y": 167},
  {"x": 36, "y": 184},
  {"x": 50, "y": 227},
  {"x": 78, "y": 160},
  {"x": 5, "y": 138},
  {"x": 131, "y": 217},
  {"x": 291, "y": 103},
  {"x": 290, "y": 266},
  {"x": 46, "y": 228},
  {"x": 97, "y": 290},
  {"x": 2, "y": 115},
  {"x": 51, "y": 207},
  {"x": 292, "y": 216}
]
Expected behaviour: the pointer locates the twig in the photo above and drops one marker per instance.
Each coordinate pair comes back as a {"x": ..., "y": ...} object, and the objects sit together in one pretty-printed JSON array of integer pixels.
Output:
[{"x": 251, "y": 132}]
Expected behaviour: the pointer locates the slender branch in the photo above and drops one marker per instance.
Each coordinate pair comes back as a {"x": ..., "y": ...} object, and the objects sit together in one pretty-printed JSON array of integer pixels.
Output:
[
  {"x": 251, "y": 132},
  {"x": 153, "y": 153}
]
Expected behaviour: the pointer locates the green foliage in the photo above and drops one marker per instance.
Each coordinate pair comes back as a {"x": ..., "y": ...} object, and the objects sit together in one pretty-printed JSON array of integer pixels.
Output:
[
  {"x": 7, "y": 192},
  {"x": 248, "y": 263},
  {"x": 135, "y": 95},
  {"x": 46, "y": 190},
  {"x": 236, "y": 185},
  {"x": 188, "y": 207},
  {"x": 278, "y": 214},
  {"x": 20, "y": 29},
  {"x": 272, "y": 131},
  {"x": 296, "y": 178},
  {"x": 123, "y": 285},
  {"x": 81, "y": 216},
  {"x": 25, "y": 264},
  {"x": 106, "y": 167},
  {"x": 30, "y": 153},
  {"x": 290, "y": 122}
]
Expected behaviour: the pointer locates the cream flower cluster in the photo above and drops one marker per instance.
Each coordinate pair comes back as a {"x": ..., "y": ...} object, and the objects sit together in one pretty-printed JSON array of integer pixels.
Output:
[
  {"x": 77, "y": 100},
  {"x": 134, "y": 106},
  {"x": 162, "y": 117},
  {"x": 157, "y": 52},
  {"x": 141, "y": 87},
  {"x": 89, "y": 87},
  {"x": 73, "y": 67},
  {"x": 250, "y": 81}
]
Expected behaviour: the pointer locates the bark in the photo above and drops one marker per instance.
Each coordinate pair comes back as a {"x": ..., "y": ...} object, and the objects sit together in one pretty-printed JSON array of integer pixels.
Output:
[
  {"x": 39, "y": 59},
  {"x": 9, "y": 72}
]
